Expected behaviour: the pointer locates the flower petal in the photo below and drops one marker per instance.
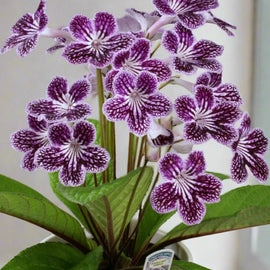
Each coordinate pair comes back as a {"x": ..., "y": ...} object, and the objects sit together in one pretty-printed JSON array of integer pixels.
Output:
[
  {"x": 50, "y": 158},
  {"x": 170, "y": 42},
  {"x": 59, "y": 134},
  {"x": 185, "y": 35},
  {"x": 78, "y": 111},
  {"x": 79, "y": 90},
  {"x": 41, "y": 107},
  {"x": 228, "y": 93},
  {"x": 24, "y": 25},
  {"x": 195, "y": 134},
  {"x": 27, "y": 46},
  {"x": 77, "y": 53},
  {"x": 209, "y": 64},
  {"x": 204, "y": 97},
  {"x": 119, "y": 42},
  {"x": 170, "y": 166},
  {"x": 164, "y": 198},
  {"x": 81, "y": 28},
  {"x": 109, "y": 80},
  {"x": 191, "y": 20},
  {"x": 158, "y": 105},
  {"x": 259, "y": 168},
  {"x": 139, "y": 123},
  {"x": 198, "y": 5},
  {"x": 72, "y": 175},
  {"x": 183, "y": 66},
  {"x": 146, "y": 83},
  {"x": 157, "y": 67},
  {"x": 185, "y": 108},
  {"x": 84, "y": 133},
  {"x": 238, "y": 169},
  {"x": 191, "y": 210},
  {"x": 226, "y": 113},
  {"x": 37, "y": 125},
  {"x": 101, "y": 58},
  {"x": 195, "y": 163},
  {"x": 124, "y": 83},
  {"x": 28, "y": 162},
  {"x": 208, "y": 188},
  {"x": 206, "y": 49},
  {"x": 163, "y": 7},
  {"x": 140, "y": 50},
  {"x": 116, "y": 108},
  {"x": 24, "y": 140},
  {"x": 120, "y": 59},
  {"x": 222, "y": 133},
  {"x": 95, "y": 159},
  {"x": 57, "y": 89},
  {"x": 105, "y": 24},
  {"x": 257, "y": 142}
]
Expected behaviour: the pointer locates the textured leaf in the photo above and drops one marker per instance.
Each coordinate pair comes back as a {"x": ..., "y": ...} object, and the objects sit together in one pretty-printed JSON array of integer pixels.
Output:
[
  {"x": 47, "y": 256},
  {"x": 73, "y": 207},
  {"x": 240, "y": 208},
  {"x": 22, "y": 202},
  {"x": 118, "y": 200},
  {"x": 91, "y": 260},
  {"x": 149, "y": 225},
  {"x": 84, "y": 195},
  {"x": 183, "y": 265}
]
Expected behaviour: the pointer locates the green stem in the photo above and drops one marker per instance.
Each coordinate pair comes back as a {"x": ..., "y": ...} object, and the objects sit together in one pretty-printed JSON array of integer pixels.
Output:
[{"x": 102, "y": 119}]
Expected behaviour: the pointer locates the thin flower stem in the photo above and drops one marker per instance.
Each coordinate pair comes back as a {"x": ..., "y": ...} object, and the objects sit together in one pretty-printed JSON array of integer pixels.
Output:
[
  {"x": 141, "y": 152},
  {"x": 112, "y": 145},
  {"x": 102, "y": 119},
  {"x": 156, "y": 48}
]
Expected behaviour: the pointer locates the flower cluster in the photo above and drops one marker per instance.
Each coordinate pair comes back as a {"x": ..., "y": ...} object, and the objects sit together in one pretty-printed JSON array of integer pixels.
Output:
[{"x": 122, "y": 53}]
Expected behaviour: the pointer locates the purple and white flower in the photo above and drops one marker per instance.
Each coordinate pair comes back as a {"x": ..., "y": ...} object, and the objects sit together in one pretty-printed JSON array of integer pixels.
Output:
[
  {"x": 205, "y": 119},
  {"x": 159, "y": 136},
  {"x": 187, "y": 54},
  {"x": 223, "y": 92},
  {"x": 61, "y": 103},
  {"x": 72, "y": 151},
  {"x": 136, "y": 60},
  {"x": 26, "y": 31},
  {"x": 31, "y": 140},
  {"x": 137, "y": 101},
  {"x": 248, "y": 149},
  {"x": 186, "y": 188},
  {"x": 210, "y": 18},
  {"x": 189, "y": 12},
  {"x": 96, "y": 40}
]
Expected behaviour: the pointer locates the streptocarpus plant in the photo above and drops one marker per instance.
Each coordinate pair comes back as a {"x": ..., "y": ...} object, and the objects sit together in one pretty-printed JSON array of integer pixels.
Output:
[{"x": 125, "y": 76}]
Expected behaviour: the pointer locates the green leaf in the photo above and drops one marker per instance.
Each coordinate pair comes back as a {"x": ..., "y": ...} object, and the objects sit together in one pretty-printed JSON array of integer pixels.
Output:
[
  {"x": 149, "y": 225},
  {"x": 84, "y": 195},
  {"x": 118, "y": 200},
  {"x": 22, "y": 202},
  {"x": 240, "y": 208},
  {"x": 73, "y": 207},
  {"x": 91, "y": 260},
  {"x": 221, "y": 176},
  {"x": 47, "y": 256},
  {"x": 183, "y": 265}
]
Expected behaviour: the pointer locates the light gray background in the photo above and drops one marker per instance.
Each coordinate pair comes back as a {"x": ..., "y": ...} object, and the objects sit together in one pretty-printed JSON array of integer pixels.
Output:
[{"x": 23, "y": 80}]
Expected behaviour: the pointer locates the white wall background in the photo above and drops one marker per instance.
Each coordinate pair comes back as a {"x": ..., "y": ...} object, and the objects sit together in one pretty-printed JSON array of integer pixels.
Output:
[{"x": 23, "y": 80}]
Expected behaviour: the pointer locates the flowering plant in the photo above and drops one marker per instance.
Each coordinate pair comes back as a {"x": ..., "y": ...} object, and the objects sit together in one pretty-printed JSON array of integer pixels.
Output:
[{"x": 166, "y": 170}]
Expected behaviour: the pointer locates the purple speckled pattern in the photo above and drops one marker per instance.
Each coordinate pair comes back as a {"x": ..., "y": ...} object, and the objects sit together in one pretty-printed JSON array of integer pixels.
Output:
[
  {"x": 26, "y": 31},
  {"x": 248, "y": 149},
  {"x": 96, "y": 40},
  {"x": 186, "y": 188},
  {"x": 137, "y": 101},
  {"x": 205, "y": 119},
  {"x": 61, "y": 103},
  {"x": 72, "y": 151}
]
